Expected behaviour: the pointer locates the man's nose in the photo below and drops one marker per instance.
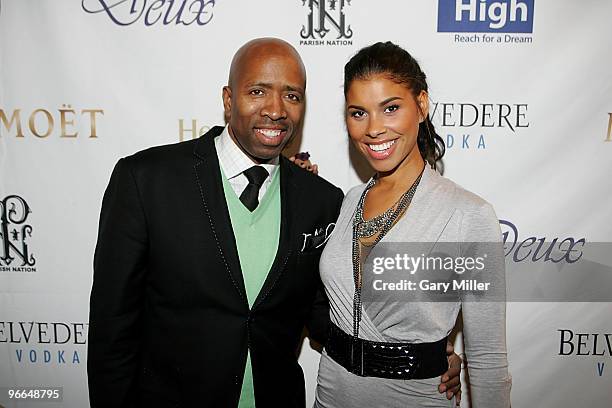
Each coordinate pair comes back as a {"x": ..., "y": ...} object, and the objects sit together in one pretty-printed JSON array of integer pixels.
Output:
[{"x": 274, "y": 107}]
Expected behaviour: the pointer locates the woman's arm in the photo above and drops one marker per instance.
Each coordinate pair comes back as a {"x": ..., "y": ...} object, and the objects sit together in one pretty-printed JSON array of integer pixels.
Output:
[{"x": 484, "y": 313}]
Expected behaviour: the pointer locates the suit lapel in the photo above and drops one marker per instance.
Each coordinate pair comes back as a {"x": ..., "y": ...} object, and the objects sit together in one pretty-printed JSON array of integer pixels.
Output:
[
  {"x": 290, "y": 201},
  {"x": 208, "y": 177}
]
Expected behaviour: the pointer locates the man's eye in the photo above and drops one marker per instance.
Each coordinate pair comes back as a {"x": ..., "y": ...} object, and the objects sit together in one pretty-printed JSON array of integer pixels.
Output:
[
  {"x": 391, "y": 109},
  {"x": 294, "y": 97},
  {"x": 256, "y": 92}
]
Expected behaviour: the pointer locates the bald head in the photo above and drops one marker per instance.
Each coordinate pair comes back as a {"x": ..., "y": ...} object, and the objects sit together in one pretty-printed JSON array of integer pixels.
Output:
[
  {"x": 261, "y": 50},
  {"x": 264, "y": 101}
]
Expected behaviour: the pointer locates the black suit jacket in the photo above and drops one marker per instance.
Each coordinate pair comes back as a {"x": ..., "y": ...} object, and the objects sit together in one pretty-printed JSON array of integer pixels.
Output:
[{"x": 169, "y": 320}]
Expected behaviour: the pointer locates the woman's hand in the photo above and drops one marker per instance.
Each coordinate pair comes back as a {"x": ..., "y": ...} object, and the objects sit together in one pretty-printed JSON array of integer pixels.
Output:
[
  {"x": 450, "y": 381},
  {"x": 302, "y": 159}
]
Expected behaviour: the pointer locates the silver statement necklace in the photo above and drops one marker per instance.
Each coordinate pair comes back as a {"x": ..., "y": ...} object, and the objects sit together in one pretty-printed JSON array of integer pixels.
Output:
[{"x": 380, "y": 224}]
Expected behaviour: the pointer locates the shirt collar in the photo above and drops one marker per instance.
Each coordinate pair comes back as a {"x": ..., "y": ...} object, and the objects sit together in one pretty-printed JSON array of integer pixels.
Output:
[{"x": 234, "y": 161}]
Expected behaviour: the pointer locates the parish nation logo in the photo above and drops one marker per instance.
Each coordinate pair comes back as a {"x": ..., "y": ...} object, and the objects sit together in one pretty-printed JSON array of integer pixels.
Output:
[
  {"x": 326, "y": 23},
  {"x": 15, "y": 232}
]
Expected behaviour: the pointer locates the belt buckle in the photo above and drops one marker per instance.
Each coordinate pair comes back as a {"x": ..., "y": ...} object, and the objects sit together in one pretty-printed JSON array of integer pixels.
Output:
[{"x": 357, "y": 357}]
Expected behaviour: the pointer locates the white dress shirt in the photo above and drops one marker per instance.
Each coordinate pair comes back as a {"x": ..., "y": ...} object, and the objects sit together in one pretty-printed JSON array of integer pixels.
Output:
[{"x": 234, "y": 162}]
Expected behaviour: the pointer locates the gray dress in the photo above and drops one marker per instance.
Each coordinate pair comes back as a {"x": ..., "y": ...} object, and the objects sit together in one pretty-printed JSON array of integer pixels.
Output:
[{"x": 441, "y": 211}]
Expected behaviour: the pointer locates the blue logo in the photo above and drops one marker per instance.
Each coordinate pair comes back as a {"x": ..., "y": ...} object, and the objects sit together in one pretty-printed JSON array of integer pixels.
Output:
[{"x": 481, "y": 16}]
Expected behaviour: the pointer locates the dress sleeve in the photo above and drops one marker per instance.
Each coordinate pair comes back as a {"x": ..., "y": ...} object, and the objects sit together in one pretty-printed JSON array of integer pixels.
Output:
[{"x": 484, "y": 313}]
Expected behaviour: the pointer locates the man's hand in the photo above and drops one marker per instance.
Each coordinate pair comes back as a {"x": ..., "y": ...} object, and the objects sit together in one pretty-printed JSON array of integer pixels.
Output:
[
  {"x": 302, "y": 160},
  {"x": 450, "y": 382}
]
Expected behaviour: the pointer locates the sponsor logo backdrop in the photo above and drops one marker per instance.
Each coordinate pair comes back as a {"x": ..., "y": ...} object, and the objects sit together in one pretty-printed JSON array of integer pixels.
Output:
[{"x": 520, "y": 90}]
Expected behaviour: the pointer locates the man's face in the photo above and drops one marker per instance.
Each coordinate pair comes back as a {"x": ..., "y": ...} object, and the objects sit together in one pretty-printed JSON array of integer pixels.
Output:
[{"x": 264, "y": 104}]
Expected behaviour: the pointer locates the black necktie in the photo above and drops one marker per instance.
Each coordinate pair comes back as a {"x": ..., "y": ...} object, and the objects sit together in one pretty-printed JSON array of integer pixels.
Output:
[{"x": 249, "y": 196}]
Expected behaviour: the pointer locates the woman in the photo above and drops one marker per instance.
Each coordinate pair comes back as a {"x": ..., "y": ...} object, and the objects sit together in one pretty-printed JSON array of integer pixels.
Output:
[{"x": 389, "y": 353}]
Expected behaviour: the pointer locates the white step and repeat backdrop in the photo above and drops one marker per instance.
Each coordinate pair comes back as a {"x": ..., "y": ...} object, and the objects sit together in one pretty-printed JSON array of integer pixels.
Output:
[{"x": 521, "y": 91}]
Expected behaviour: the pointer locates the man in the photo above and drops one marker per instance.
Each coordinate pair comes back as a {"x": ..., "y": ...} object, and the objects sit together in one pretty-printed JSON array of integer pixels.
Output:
[{"x": 203, "y": 280}]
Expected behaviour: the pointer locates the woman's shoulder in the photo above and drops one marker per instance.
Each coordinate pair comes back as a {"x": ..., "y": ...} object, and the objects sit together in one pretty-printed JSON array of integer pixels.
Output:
[
  {"x": 354, "y": 193},
  {"x": 457, "y": 195},
  {"x": 351, "y": 198},
  {"x": 479, "y": 221}
]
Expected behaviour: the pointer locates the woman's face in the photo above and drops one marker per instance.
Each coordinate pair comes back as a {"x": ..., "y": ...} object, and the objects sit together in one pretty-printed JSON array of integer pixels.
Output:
[{"x": 382, "y": 118}]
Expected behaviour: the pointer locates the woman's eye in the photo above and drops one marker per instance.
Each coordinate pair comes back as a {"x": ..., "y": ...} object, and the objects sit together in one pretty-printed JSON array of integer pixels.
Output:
[
  {"x": 391, "y": 109},
  {"x": 357, "y": 114}
]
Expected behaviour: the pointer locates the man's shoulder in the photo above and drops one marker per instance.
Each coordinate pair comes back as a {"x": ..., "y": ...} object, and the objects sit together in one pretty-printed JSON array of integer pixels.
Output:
[
  {"x": 162, "y": 154},
  {"x": 304, "y": 179},
  {"x": 174, "y": 153}
]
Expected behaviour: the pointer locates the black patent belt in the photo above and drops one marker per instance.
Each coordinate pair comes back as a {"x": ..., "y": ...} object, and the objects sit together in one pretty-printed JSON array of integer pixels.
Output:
[{"x": 404, "y": 361}]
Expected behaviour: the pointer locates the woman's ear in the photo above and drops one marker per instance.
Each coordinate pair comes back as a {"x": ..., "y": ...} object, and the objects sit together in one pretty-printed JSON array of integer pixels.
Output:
[{"x": 422, "y": 100}]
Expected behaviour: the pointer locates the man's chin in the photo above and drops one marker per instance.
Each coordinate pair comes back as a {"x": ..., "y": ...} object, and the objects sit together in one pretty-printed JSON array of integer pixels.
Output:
[{"x": 265, "y": 155}]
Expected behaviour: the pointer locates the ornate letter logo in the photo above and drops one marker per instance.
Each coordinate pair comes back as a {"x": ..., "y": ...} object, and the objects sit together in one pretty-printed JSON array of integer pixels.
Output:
[
  {"x": 327, "y": 11},
  {"x": 14, "y": 232}
]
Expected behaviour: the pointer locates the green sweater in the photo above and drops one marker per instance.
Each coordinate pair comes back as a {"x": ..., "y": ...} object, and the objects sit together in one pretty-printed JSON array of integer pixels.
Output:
[{"x": 257, "y": 235}]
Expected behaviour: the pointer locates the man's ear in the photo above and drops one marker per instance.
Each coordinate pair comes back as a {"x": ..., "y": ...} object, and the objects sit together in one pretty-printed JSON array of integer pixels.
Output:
[
  {"x": 227, "y": 103},
  {"x": 423, "y": 104}
]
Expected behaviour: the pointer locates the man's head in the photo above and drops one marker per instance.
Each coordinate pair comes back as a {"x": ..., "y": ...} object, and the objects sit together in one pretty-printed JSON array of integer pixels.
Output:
[{"x": 264, "y": 99}]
